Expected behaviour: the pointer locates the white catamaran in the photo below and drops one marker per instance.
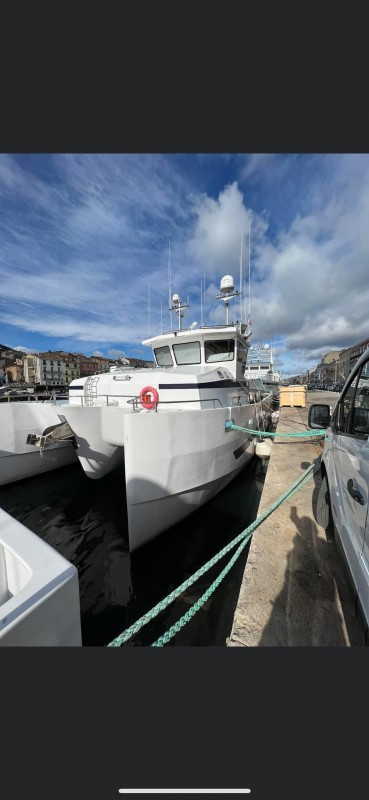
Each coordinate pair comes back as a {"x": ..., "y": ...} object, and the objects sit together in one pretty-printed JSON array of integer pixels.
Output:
[{"x": 167, "y": 424}]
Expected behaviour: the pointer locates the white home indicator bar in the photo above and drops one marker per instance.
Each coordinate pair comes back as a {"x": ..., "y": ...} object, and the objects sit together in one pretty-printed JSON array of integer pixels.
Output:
[{"x": 184, "y": 791}]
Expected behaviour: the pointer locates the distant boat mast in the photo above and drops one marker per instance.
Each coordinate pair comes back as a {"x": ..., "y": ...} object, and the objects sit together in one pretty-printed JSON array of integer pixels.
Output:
[
  {"x": 241, "y": 280},
  {"x": 249, "y": 317},
  {"x": 148, "y": 313},
  {"x": 170, "y": 287}
]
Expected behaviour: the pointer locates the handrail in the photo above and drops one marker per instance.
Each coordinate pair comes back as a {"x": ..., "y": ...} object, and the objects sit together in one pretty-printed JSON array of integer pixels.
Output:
[{"x": 108, "y": 397}]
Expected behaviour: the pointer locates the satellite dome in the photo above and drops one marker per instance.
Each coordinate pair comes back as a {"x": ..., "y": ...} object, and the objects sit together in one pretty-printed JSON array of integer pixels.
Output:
[{"x": 227, "y": 284}]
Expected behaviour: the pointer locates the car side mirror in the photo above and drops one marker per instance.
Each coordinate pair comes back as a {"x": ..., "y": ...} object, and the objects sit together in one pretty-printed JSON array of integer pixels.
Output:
[{"x": 319, "y": 416}]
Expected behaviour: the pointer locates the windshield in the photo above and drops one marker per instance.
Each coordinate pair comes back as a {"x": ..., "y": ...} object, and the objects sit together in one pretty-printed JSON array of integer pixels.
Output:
[
  {"x": 219, "y": 350},
  {"x": 163, "y": 356},
  {"x": 188, "y": 353}
]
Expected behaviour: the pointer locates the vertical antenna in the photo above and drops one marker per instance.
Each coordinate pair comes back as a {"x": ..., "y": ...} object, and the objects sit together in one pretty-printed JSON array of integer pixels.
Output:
[
  {"x": 241, "y": 281},
  {"x": 170, "y": 287},
  {"x": 201, "y": 300},
  {"x": 148, "y": 313},
  {"x": 249, "y": 269},
  {"x": 161, "y": 316}
]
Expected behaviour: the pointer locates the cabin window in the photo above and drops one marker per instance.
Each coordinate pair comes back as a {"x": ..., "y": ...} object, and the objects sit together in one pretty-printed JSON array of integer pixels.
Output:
[
  {"x": 241, "y": 353},
  {"x": 219, "y": 350},
  {"x": 163, "y": 356},
  {"x": 187, "y": 353}
]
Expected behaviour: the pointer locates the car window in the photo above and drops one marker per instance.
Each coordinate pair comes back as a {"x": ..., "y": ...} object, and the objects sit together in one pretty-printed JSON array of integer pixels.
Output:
[
  {"x": 362, "y": 389},
  {"x": 345, "y": 406},
  {"x": 353, "y": 410},
  {"x": 360, "y": 415}
]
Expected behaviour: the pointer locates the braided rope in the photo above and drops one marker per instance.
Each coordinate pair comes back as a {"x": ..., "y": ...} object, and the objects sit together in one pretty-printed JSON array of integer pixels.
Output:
[
  {"x": 165, "y": 638},
  {"x": 243, "y": 537},
  {"x": 230, "y": 426}
]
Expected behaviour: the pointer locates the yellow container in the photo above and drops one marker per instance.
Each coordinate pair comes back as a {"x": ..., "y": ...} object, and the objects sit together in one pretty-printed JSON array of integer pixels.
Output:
[{"x": 292, "y": 396}]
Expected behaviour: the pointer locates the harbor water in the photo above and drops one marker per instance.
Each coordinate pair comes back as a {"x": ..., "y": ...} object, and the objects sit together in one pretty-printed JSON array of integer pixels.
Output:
[{"x": 86, "y": 522}]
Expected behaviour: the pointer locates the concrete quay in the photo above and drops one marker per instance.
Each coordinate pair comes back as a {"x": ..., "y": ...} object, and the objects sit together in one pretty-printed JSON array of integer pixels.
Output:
[{"x": 295, "y": 590}]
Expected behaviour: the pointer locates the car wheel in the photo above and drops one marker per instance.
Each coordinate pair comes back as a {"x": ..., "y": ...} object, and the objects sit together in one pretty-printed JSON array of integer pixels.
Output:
[{"x": 323, "y": 507}]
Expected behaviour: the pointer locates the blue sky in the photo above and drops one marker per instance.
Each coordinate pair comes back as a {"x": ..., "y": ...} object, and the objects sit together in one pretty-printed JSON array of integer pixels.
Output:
[{"x": 84, "y": 242}]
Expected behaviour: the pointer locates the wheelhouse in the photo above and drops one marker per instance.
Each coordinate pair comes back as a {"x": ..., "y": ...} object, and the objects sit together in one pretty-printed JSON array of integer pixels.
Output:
[{"x": 205, "y": 348}]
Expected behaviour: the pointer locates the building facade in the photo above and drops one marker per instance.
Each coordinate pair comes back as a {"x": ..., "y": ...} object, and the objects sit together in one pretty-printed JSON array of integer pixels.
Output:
[
  {"x": 29, "y": 365},
  {"x": 50, "y": 369},
  {"x": 72, "y": 370},
  {"x": 15, "y": 371}
]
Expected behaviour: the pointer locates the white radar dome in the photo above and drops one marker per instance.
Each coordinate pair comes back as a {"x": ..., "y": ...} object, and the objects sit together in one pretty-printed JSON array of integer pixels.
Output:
[
  {"x": 266, "y": 347},
  {"x": 176, "y": 298},
  {"x": 227, "y": 284}
]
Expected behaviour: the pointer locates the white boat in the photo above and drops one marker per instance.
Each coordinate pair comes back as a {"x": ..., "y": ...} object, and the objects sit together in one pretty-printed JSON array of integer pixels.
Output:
[
  {"x": 39, "y": 592},
  {"x": 260, "y": 366},
  {"x": 167, "y": 425},
  {"x": 19, "y": 459}
]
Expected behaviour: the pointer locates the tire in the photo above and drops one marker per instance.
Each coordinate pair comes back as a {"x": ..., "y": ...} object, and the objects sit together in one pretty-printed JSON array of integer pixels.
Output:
[{"x": 323, "y": 507}]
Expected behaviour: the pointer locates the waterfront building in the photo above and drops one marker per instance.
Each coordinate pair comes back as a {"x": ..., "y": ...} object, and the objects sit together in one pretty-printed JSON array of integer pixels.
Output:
[{"x": 50, "y": 369}]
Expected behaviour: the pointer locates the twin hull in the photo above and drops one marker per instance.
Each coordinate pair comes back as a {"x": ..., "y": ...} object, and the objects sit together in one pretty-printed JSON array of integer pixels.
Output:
[
  {"x": 19, "y": 460},
  {"x": 174, "y": 460}
]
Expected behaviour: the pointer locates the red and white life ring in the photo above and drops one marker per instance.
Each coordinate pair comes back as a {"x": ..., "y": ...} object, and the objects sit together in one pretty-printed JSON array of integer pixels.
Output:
[{"x": 149, "y": 397}]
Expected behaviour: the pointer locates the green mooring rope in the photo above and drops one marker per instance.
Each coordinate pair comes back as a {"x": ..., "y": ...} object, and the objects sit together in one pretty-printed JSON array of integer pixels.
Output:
[
  {"x": 243, "y": 537},
  {"x": 230, "y": 426}
]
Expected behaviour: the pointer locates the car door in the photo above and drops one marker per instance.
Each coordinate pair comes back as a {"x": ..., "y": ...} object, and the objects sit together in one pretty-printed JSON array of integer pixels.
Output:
[
  {"x": 350, "y": 471},
  {"x": 360, "y": 424}
]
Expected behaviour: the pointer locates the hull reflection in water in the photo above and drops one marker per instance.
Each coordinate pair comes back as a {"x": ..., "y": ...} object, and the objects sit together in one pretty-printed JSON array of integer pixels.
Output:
[{"x": 87, "y": 523}]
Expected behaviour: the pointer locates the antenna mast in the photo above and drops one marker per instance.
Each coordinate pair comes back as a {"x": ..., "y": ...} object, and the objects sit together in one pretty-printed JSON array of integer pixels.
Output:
[
  {"x": 177, "y": 307},
  {"x": 249, "y": 272},
  {"x": 241, "y": 280},
  {"x": 148, "y": 313},
  {"x": 227, "y": 287},
  {"x": 170, "y": 286}
]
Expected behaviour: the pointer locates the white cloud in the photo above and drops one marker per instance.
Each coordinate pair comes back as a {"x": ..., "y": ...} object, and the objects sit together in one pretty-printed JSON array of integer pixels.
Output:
[
  {"x": 78, "y": 257},
  {"x": 25, "y": 349},
  {"x": 256, "y": 163},
  {"x": 114, "y": 353},
  {"x": 216, "y": 241}
]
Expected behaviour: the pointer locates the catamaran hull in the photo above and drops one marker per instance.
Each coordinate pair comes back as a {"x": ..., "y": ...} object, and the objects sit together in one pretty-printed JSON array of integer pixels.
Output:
[
  {"x": 18, "y": 460},
  {"x": 99, "y": 432},
  {"x": 175, "y": 463},
  {"x": 39, "y": 592},
  {"x": 18, "y": 466}
]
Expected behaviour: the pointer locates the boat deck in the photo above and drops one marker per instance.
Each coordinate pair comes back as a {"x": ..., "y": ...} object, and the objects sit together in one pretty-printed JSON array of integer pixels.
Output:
[{"x": 295, "y": 590}]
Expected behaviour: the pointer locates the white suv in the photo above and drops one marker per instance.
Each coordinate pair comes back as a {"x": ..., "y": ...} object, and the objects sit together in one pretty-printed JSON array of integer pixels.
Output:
[{"x": 342, "y": 505}]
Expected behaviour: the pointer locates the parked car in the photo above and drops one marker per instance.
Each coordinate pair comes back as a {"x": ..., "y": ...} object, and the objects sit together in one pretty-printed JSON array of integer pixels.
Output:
[{"x": 342, "y": 504}]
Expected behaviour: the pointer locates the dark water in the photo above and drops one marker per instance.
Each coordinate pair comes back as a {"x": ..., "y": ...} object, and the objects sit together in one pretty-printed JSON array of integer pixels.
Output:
[{"x": 85, "y": 521}]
